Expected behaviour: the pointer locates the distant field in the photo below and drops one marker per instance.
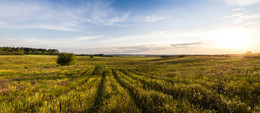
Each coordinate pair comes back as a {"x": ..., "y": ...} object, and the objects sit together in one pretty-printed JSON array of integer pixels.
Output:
[{"x": 130, "y": 84}]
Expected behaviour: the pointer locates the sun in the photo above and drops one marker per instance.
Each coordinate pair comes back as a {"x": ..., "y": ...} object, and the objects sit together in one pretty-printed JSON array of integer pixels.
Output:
[{"x": 233, "y": 39}]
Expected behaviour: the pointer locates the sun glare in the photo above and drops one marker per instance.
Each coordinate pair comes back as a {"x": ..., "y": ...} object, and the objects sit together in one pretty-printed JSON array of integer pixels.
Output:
[{"x": 233, "y": 39}]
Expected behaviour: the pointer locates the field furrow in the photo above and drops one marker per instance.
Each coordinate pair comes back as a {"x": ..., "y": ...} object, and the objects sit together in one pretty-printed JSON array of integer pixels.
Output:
[
  {"x": 194, "y": 93},
  {"x": 116, "y": 98},
  {"x": 45, "y": 92},
  {"x": 152, "y": 101}
]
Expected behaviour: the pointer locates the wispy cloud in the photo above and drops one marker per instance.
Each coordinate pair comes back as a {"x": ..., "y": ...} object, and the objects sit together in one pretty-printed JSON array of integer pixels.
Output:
[
  {"x": 1, "y": 22},
  {"x": 162, "y": 37},
  {"x": 48, "y": 43},
  {"x": 186, "y": 44},
  {"x": 239, "y": 9},
  {"x": 242, "y": 2},
  {"x": 102, "y": 13},
  {"x": 47, "y": 15},
  {"x": 241, "y": 17},
  {"x": 26, "y": 42},
  {"x": 84, "y": 38},
  {"x": 159, "y": 32},
  {"x": 133, "y": 49},
  {"x": 137, "y": 49},
  {"x": 154, "y": 18}
]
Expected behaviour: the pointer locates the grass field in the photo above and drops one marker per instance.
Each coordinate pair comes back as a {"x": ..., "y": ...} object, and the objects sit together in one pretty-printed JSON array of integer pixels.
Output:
[{"x": 130, "y": 84}]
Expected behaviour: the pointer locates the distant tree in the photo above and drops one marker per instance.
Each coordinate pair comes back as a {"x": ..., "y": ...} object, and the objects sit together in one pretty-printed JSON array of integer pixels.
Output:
[
  {"x": 22, "y": 51},
  {"x": 66, "y": 58},
  {"x": 91, "y": 56},
  {"x": 181, "y": 56},
  {"x": 101, "y": 55}
]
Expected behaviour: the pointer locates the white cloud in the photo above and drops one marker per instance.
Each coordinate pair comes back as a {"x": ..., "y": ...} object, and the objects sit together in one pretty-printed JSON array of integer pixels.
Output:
[
  {"x": 102, "y": 13},
  {"x": 159, "y": 32},
  {"x": 46, "y": 43},
  {"x": 134, "y": 49},
  {"x": 46, "y": 15},
  {"x": 2, "y": 22},
  {"x": 154, "y": 18},
  {"x": 242, "y": 2},
  {"x": 162, "y": 37},
  {"x": 241, "y": 17},
  {"x": 25, "y": 42},
  {"x": 239, "y": 9},
  {"x": 84, "y": 38}
]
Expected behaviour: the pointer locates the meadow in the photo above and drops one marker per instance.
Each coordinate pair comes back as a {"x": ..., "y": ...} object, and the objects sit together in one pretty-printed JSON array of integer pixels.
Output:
[{"x": 195, "y": 84}]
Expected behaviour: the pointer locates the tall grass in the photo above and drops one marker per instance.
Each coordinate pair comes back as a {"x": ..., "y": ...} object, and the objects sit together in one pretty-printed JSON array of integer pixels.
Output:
[{"x": 35, "y": 83}]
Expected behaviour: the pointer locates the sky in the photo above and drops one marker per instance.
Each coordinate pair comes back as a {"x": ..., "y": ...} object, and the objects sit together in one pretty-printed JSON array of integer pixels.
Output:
[{"x": 132, "y": 26}]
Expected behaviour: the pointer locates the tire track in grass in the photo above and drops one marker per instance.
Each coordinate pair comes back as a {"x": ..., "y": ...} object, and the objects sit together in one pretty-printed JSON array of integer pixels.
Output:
[
  {"x": 131, "y": 90},
  {"x": 197, "y": 95},
  {"x": 154, "y": 85},
  {"x": 209, "y": 87},
  {"x": 98, "y": 71},
  {"x": 115, "y": 97},
  {"x": 151, "y": 101},
  {"x": 42, "y": 78},
  {"x": 34, "y": 76},
  {"x": 71, "y": 87},
  {"x": 152, "y": 77},
  {"x": 98, "y": 99},
  {"x": 32, "y": 79},
  {"x": 82, "y": 74},
  {"x": 80, "y": 100}
]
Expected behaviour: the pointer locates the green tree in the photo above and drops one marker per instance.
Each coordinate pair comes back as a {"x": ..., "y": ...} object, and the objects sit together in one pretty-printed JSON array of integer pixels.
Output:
[{"x": 66, "y": 58}]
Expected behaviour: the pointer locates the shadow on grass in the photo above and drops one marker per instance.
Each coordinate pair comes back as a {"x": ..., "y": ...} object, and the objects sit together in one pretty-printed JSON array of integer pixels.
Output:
[
  {"x": 84, "y": 73},
  {"x": 98, "y": 102}
]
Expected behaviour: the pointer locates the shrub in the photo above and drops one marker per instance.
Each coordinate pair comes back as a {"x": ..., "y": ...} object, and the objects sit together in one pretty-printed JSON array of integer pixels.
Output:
[
  {"x": 91, "y": 56},
  {"x": 66, "y": 58}
]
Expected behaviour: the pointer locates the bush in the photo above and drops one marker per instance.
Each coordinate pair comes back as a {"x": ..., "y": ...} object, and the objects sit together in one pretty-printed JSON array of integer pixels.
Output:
[
  {"x": 91, "y": 56},
  {"x": 66, "y": 58}
]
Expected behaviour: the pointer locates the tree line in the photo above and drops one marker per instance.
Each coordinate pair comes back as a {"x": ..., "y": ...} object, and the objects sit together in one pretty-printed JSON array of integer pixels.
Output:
[{"x": 25, "y": 50}]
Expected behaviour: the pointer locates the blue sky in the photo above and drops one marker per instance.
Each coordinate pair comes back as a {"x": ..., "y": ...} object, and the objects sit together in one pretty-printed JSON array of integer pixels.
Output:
[{"x": 132, "y": 26}]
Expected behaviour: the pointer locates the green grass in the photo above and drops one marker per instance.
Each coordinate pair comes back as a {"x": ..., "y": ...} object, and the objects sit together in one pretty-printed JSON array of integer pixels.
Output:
[{"x": 35, "y": 83}]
